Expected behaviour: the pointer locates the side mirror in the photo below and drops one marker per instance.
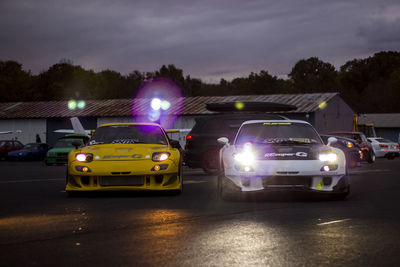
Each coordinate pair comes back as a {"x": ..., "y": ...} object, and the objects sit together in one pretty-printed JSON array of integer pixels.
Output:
[
  {"x": 331, "y": 140},
  {"x": 76, "y": 144},
  {"x": 223, "y": 140},
  {"x": 175, "y": 144}
]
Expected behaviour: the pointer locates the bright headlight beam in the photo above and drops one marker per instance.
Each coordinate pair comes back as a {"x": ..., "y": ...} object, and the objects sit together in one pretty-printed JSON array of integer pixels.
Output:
[
  {"x": 245, "y": 158},
  {"x": 330, "y": 157},
  {"x": 81, "y": 157}
]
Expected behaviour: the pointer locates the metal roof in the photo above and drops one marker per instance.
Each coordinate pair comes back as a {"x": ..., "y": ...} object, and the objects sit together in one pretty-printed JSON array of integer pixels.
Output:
[
  {"x": 140, "y": 106},
  {"x": 382, "y": 120}
]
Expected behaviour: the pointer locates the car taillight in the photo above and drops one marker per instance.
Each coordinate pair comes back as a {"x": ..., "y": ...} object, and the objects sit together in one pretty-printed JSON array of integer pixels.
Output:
[
  {"x": 188, "y": 137},
  {"x": 382, "y": 145},
  {"x": 398, "y": 145}
]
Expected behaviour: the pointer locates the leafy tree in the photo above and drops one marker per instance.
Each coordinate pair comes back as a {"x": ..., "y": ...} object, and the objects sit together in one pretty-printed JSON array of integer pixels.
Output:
[
  {"x": 15, "y": 83},
  {"x": 313, "y": 75}
]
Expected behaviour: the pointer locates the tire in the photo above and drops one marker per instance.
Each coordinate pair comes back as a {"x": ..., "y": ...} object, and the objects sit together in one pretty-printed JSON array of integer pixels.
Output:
[
  {"x": 211, "y": 162},
  {"x": 2, "y": 157},
  {"x": 371, "y": 157},
  {"x": 342, "y": 195}
]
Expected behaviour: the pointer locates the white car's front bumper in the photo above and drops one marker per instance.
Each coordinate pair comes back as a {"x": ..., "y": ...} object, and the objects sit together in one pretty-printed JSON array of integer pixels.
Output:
[{"x": 285, "y": 174}]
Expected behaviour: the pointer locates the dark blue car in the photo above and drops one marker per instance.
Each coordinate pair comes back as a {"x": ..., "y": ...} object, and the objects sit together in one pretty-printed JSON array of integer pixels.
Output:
[{"x": 31, "y": 151}]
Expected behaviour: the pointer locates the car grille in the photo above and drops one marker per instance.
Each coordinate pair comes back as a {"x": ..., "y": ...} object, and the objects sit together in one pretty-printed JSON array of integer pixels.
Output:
[
  {"x": 62, "y": 154},
  {"x": 137, "y": 180},
  {"x": 287, "y": 180}
]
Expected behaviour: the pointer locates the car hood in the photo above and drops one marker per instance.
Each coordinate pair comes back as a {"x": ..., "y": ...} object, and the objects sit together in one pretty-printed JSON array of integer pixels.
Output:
[{"x": 123, "y": 152}]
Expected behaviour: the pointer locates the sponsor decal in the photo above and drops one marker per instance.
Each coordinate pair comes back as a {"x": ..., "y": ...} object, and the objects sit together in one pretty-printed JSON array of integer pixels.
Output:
[
  {"x": 135, "y": 156},
  {"x": 298, "y": 154}
]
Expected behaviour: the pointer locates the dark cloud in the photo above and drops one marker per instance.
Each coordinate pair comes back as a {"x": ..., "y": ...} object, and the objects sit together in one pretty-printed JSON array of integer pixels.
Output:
[{"x": 209, "y": 39}]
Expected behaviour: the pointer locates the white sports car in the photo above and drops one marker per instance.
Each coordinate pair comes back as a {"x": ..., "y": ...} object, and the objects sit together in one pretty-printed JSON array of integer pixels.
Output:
[{"x": 281, "y": 155}]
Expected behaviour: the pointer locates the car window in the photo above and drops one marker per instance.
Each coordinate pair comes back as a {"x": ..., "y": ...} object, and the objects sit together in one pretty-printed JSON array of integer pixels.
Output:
[
  {"x": 363, "y": 138},
  {"x": 67, "y": 142},
  {"x": 383, "y": 140},
  {"x": 277, "y": 132},
  {"x": 17, "y": 144},
  {"x": 129, "y": 134}
]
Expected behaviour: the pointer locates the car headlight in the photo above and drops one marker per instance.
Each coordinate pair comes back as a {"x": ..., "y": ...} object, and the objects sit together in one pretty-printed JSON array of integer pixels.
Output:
[
  {"x": 244, "y": 158},
  {"x": 160, "y": 156},
  {"x": 328, "y": 157},
  {"x": 349, "y": 144},
  {"x": 84, "y": 157}
]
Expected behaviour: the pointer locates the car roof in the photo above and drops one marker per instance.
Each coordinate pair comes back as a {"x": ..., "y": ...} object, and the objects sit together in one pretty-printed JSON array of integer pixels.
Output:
[{"x": 275, "y": 121}]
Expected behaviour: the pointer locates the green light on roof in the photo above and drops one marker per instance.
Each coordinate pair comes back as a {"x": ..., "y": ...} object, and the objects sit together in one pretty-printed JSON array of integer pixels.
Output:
[{"x": 72, "y": 104}]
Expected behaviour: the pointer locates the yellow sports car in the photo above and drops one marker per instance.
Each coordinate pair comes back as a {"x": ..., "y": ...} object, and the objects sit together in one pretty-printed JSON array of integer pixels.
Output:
[{"x": 126, "y": 156}]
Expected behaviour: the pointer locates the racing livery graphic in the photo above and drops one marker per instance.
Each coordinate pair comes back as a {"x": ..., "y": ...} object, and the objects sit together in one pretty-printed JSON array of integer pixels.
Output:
[
  {"x": 126, "y": 156},
  {"x": 281, "y": 155}
]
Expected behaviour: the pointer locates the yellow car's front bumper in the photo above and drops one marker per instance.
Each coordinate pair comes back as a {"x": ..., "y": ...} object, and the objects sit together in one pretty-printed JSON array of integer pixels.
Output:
[{"x": 123, "y": 175}]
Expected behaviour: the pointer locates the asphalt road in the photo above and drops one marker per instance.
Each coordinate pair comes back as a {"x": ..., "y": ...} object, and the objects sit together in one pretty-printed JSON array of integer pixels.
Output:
[{"x": 41, "y": 226}]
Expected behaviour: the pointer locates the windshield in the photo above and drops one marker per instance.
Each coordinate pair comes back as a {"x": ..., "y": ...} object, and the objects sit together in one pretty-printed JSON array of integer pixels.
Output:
[
  {"x": 129, "y": 134},
  {"x": 67, "y": 142},
  {"x": 277, "y": 132}
]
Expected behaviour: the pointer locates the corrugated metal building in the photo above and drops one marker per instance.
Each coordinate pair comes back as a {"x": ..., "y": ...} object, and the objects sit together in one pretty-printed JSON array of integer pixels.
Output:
[
  {"x": 387, "y": 125},
  {"x": 326, "y": 111}
]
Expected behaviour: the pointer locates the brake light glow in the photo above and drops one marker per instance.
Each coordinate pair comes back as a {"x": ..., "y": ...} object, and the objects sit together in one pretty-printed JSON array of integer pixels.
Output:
[
  {"x": 382, "y": 145},
  {"x": 189, "y": 137}
]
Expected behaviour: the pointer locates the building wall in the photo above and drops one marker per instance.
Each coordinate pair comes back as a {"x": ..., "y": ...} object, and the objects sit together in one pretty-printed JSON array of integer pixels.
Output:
[
  {"x": 29, "y": 128},
  {"x": 337, "y": 115},
  {"x": 388, "y": 133}
]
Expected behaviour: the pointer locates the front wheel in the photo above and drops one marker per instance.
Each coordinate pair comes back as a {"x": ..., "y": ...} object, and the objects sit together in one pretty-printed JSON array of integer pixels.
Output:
[{"x": 371, "y": 157}]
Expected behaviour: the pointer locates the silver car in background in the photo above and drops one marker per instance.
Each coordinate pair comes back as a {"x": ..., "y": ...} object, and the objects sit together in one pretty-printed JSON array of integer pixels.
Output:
[{"x": 384, "y": 147}]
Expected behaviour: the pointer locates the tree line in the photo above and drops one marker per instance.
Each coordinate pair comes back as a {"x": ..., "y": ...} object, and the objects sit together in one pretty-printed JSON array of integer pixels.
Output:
[{"x": 369, "y": 85}]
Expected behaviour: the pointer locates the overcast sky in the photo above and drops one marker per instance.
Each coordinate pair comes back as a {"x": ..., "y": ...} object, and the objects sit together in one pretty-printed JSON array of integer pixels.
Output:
[{"x": 208, "y": 39}]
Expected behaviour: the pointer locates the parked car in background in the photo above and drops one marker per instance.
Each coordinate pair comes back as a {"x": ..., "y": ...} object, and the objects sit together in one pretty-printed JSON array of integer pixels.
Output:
[
  {"x": 59, "y": 153},
  {"x": 351, "y": 149},
  {"x": 384, "y": 147},
  {"x": 6, "y": 146},
  {"x": 359, "y": 137},
  {"x": 31, "y": 151},
  {"x": 202, "y": 148}
]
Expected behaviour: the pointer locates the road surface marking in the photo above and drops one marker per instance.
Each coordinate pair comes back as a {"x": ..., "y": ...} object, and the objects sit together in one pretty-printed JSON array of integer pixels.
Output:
[
  {"x": 332, "y": 222},
  {"x": 33, "y": 180}
]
